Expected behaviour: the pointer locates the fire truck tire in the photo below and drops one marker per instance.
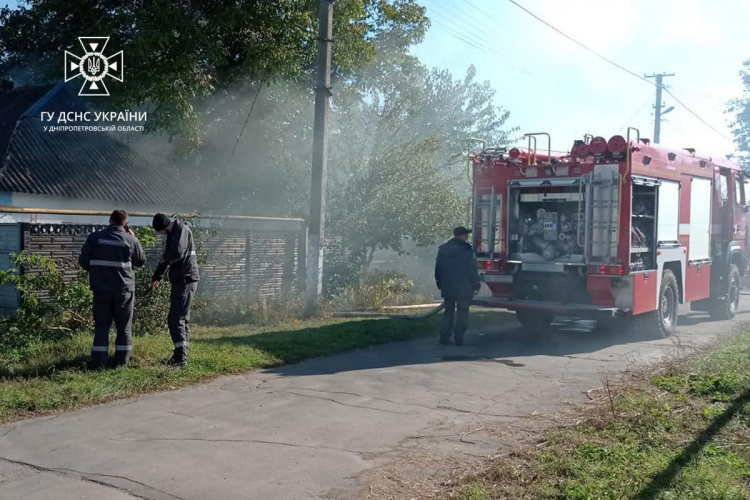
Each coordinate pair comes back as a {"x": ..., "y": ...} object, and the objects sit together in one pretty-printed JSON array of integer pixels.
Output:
[
  {"x": 726, "y": 307},
  {"x": 662, "y": 322},
  {"x": 534, "y": 320},
  {"x": 669, "y": 298}
]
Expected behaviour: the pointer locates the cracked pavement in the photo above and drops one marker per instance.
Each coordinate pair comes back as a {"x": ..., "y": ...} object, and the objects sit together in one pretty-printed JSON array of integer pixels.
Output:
[{"x": 306, "y": 430}]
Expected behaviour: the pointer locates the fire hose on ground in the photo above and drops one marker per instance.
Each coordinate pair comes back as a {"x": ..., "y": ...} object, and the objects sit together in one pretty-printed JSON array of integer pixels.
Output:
[{"x": 365, "y": 314}]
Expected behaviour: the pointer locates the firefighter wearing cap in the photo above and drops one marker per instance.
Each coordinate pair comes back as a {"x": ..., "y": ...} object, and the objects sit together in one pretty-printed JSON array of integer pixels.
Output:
[
  {"x": 457, "y": 278},
  {"x": 180, "y": 256},
  {"x": 109, "y": 256}
]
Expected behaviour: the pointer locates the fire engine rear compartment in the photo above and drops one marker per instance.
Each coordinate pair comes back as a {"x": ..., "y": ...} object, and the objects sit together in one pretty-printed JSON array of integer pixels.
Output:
[
  {"x": 546, "y": 232},
  {"x": 546, "y": 225}
]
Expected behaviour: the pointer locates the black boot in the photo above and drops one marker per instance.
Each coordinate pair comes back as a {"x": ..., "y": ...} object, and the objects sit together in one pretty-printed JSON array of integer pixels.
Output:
[
  {"x": 98, "y": 360},
  {"x": 176, "y": 362},
  {"x": 179, "y": 357},
  {"x": 122, "y": 358}
]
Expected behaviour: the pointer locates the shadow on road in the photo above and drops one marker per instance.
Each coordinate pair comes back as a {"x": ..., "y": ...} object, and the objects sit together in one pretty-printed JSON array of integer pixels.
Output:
[{"x": 504, "y": 344}]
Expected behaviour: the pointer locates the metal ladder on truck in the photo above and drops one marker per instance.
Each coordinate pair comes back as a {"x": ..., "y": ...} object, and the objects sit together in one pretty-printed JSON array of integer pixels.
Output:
[
  {"x": 484, "y": 222},
  {"x": 603, "y": 215}
]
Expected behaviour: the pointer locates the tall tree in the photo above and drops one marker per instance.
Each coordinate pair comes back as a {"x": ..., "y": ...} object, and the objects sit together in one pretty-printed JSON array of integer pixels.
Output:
[{"x": 398, "y": 161}]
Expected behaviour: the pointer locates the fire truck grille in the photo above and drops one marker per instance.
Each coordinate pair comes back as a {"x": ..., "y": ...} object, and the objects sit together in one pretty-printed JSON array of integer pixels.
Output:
[{"x": 567, "y": 288}]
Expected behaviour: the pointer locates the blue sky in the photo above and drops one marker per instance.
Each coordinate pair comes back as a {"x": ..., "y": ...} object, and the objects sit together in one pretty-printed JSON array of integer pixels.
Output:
[{"x": 549, "y": 84}]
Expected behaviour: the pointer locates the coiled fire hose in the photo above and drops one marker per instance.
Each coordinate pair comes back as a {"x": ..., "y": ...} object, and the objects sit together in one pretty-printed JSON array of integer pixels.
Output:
[{"x": 363, "y": 314}]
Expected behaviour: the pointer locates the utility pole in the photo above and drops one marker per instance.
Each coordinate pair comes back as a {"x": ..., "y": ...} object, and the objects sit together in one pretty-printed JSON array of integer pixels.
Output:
[
  {"x": 316, "y": 221},
  {"x": 659, "y": 104}
]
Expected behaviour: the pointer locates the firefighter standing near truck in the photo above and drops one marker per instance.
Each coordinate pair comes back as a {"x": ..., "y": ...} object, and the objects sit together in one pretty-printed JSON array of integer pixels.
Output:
[
  {"x": 109, "y": 256},
  {"x": 181, "y": 258},
  {"x": 457, "y": 278}
]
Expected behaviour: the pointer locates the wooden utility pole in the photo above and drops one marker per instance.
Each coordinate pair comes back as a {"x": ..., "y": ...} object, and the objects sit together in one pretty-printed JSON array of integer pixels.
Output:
[
  {"x": 659, "y": 105},
  {"x": 316, "y": 222}
]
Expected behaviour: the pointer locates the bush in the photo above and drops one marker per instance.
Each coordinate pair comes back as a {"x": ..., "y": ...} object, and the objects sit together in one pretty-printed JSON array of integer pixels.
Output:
[
  {"x": 51, "y": 308},
  {"x": 375, "y": 290},
  {"x": 151, "y": 306},
  {"x": 340, "y": 270}
]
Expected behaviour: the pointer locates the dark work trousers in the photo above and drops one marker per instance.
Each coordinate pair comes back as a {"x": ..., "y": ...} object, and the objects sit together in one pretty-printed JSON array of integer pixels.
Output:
[
  {"x": 178, "y": 319},
  {"x": 462, "y": 319},
  {"x": 117, "y": 307}
]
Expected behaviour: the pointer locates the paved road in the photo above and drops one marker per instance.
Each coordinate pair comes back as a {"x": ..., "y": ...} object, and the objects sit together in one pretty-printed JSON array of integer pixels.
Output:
[{"x": 315, "y": 429}]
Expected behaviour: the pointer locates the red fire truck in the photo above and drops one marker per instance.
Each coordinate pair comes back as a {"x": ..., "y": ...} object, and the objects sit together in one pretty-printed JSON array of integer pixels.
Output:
[{"x": 615, "y": 228}]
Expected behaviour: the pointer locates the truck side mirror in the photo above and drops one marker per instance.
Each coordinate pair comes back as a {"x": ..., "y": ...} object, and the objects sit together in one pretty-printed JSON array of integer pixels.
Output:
[{"x": 745, "y": 208}]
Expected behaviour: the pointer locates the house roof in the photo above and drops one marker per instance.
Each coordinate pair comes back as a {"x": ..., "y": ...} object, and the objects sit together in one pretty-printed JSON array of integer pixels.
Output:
[
  {"x": 12, "y": 106},
  {"x": 78, "y": 164}
]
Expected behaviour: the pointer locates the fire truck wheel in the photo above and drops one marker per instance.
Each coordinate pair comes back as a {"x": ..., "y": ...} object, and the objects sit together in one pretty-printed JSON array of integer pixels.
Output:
[
  {"x": 534, "y": 320},
  {"x": 726, "y": 307},
  {"x": 662, "y": 322},
  {"x": 666, "y": 313}
]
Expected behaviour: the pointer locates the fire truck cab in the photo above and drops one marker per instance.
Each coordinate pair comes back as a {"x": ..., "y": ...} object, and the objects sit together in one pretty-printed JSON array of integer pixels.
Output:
[{"x": 617, "y": 228}]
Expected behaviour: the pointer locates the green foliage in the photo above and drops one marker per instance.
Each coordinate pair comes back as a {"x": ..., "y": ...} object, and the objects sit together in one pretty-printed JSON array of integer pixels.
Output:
[
  {"x": 51, "y": 308},
  {"x": 375, "y": 290},
  {"x": 740, "y": 108},
  {"x": 472, "y": 491},
  {"x": 180, "y": 52},
  {"x": 151, "y": 306}
]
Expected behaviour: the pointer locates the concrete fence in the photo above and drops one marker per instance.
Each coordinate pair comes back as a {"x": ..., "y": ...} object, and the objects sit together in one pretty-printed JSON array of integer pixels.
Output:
[{"x": 252, "y": 263}]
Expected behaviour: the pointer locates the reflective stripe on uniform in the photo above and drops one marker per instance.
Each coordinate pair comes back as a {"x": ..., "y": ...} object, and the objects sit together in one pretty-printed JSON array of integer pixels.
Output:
[
  {"x": 100, "y": 348},
  {"x": 110, "y": 263},
  {"x": 116, "y": 243},
  {"x": 181, "y": 344},
  {"x": 123, "y": 348}
]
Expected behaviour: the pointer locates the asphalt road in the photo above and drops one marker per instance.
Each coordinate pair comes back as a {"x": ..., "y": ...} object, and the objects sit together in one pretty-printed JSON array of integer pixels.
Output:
[{"x": 320, "y": 428}]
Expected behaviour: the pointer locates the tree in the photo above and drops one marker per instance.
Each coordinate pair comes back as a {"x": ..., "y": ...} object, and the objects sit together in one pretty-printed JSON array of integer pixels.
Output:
[
  {"x": 398, "y": 157},
  {"x": 179, "y": 51},
  {"x": 740, "y": 107}
]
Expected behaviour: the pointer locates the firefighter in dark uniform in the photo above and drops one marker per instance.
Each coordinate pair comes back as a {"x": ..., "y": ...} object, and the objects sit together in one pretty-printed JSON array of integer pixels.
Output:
[
  {"x": 180, "y": 256},
  {"x": 457, "y": 278},
  {"x": 109, "y": 256}
]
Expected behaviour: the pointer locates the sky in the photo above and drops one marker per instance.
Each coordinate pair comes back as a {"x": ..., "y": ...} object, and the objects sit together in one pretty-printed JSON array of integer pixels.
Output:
[{"x": 550, "y": 84}]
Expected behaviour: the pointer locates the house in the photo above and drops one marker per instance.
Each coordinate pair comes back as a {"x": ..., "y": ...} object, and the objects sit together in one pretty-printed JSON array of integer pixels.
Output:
[
  {"x": 77, "y": 170},
  {"x": 56, "y": 187}
]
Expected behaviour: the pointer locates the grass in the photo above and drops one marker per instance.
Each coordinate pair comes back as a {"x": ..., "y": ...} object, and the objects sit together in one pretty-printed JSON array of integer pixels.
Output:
[
  {"x": 683, "y": 433},
  {"x": 53, "y": 377}
]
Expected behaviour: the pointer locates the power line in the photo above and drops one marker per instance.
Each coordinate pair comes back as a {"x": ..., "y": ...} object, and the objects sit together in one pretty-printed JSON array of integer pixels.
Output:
[
  {"x": 456, "y": 33},
  {"x": 582, "y": 45},
  {"x": 455, "y": 15},
  {"x": 635, "y": 115},
  {"x": 619, "y": 66},
  {"x": 704, "y": 122},
  {"x": 247, "y": 119},
  {"x": 461, "y": 29}
]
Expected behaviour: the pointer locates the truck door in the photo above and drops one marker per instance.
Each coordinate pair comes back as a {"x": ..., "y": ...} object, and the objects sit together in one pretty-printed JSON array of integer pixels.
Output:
[{"x": 727, "y": 231}]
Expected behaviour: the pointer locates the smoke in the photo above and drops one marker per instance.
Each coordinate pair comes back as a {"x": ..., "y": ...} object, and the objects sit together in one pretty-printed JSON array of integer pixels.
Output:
[{"x": 397, "y": 146}]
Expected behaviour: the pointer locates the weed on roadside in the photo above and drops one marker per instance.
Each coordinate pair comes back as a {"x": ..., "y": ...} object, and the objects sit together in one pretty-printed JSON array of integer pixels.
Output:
[{"x": 681, "y": 433}]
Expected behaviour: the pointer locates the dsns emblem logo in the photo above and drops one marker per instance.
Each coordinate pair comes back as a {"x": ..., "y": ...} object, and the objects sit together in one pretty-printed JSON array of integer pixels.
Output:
[{"x": 93, "y": 66}]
